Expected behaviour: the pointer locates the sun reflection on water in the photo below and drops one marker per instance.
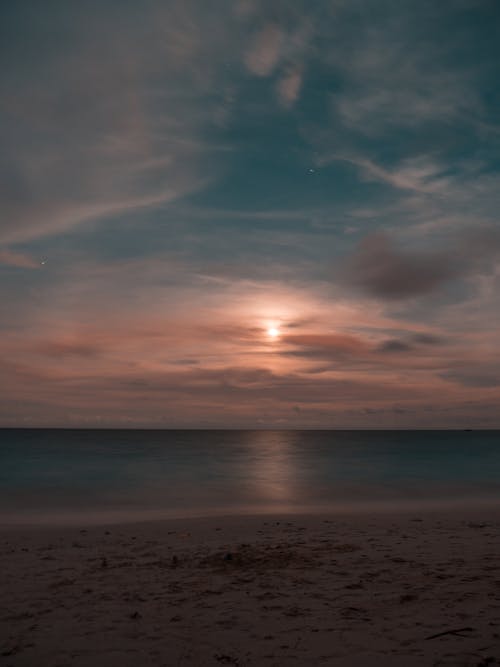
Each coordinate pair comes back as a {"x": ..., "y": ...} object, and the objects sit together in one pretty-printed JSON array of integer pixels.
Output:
[{"x": 275, "y": 472}]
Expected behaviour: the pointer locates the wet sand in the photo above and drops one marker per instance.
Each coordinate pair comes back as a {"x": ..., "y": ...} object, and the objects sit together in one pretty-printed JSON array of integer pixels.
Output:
[{"x": 419, "y": 589}]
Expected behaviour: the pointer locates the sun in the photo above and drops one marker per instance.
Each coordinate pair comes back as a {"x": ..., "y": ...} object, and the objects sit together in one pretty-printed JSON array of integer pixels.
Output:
[{"x": 273, "y": 333}]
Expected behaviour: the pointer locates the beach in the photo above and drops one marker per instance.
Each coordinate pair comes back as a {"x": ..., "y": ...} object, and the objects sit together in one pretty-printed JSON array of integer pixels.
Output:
[{"x": 414, "y": 588}]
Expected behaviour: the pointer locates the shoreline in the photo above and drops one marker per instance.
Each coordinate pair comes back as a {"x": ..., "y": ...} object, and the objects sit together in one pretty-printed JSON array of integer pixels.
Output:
[
  {"x": 282, "y": 589},
  {"x": 94, "y": 517},
  {"x": 30, "y": 520}
]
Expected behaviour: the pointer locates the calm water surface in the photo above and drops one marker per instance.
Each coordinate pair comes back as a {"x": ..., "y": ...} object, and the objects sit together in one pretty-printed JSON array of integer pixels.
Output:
[{"x": 104, "y": 475}]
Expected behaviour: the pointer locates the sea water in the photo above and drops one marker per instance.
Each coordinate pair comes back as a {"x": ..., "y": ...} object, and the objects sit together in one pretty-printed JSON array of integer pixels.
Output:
[{"x": 56, "y": 475}]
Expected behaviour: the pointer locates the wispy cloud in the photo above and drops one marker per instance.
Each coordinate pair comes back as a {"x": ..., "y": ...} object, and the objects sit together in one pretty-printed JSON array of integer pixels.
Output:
[
  {"x": 418, "y": 174},
  {"x": 396, "y": 79},
  {"x": 119, "y": 128}
]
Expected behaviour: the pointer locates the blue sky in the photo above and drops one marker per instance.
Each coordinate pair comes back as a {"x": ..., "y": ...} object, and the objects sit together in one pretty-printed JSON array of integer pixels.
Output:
[{"x": 179, "y": 177}]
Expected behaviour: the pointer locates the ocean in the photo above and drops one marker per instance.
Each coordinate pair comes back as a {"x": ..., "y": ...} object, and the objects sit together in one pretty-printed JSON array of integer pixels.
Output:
[{"x": 63, "y": 476}]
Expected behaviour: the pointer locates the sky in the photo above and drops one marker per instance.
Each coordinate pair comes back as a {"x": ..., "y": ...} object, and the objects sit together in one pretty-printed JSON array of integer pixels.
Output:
[{"x": 250, "y": 213}]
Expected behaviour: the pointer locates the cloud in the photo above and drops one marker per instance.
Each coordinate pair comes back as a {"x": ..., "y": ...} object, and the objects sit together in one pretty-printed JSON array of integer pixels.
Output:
[
  {"x": 373, "y": 110},
  {"x": 423, "y": 338},
  {"x": 265, "y": 50},
  {"x": 18, "y": 259},
  {"x": 392, "y": 79},
  {"x": 325, "y": 346},
  {"x": 419, "y": 174},
  {"x": 288, "y": 87},
  {"x": 478, "y": 375},
  {"x": 27, "y": 221},
  {"x": 108, "y": 119},
  {"x": 194, "y": 387},
  {"x": 379, "y": 268},
  {"x": 70, "y": 348},
  {"x": 410, "y": 343},
  {"x": 394, "y": 345},
  {"x": 357, "y": 353}
]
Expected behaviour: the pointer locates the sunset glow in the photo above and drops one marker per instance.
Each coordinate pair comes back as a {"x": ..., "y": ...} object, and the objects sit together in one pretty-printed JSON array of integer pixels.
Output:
[{"x": 249, "y": 217}]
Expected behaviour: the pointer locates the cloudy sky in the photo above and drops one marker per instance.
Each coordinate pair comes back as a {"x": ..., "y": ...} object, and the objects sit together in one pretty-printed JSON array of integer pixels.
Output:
[{"x": 255, "y": 213}]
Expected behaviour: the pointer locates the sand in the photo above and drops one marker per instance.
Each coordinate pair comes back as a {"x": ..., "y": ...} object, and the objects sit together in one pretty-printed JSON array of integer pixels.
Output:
[{"x": 419, "y": 589}]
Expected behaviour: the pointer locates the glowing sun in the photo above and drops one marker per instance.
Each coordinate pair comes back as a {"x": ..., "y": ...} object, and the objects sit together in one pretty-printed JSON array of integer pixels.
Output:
[{"x": 273, "y": 333}]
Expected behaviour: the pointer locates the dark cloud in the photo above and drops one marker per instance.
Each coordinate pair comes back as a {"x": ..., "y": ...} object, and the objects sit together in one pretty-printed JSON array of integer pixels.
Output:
[
  {"x": 184, "y": 362},
  {"x": 346, "y": 347},
  {"x": 412, "y": 342},
  {"x": 325, "y": 347},
  {"x": 394, "y": 345},
  {"x": 332, "y": 342},
  {"x": 481, "y": 377},
  {"x": 480, "y": 243},
  {"x": 427, "y": 339},
  {"x": 61, "y": 349},
  {"x": 380, "y": 268}
]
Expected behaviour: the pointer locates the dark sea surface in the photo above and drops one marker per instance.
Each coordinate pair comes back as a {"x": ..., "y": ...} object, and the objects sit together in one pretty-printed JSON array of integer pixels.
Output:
[{"x": 112, "y": 475}]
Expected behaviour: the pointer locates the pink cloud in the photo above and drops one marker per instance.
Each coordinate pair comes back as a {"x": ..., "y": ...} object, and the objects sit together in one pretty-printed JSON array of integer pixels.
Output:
[
  {"x": 265, "y": 51},
  {"x": 288, "y": 87},
  {"x": 18, "y": 259}
]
